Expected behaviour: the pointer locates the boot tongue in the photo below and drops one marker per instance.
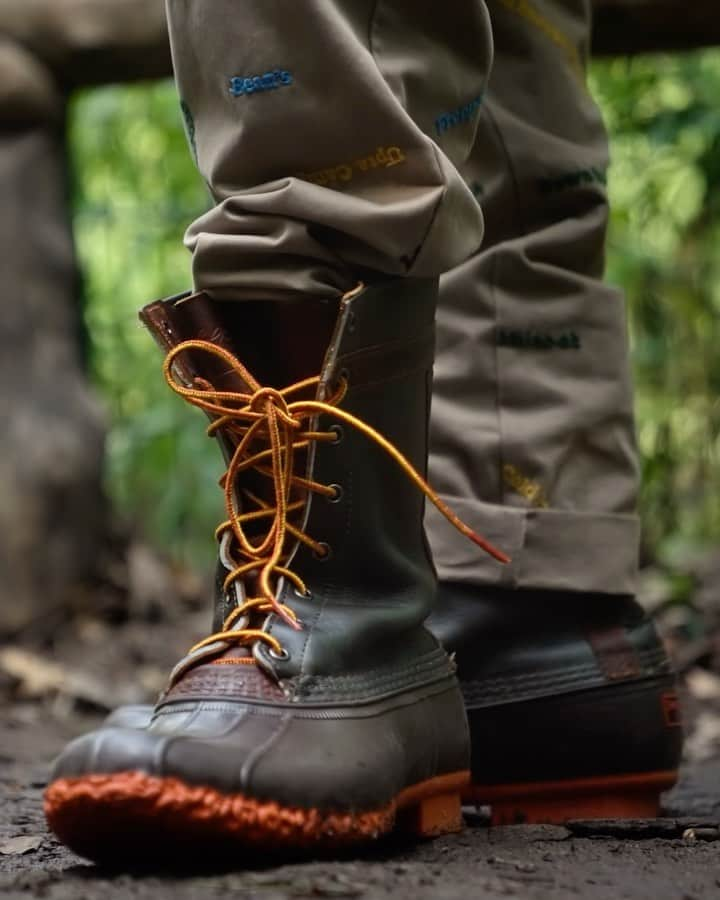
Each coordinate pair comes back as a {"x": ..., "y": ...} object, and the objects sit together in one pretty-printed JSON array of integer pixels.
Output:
[
  {"x": 194, "y": 317},
  {"x": 279, "y": 342}
]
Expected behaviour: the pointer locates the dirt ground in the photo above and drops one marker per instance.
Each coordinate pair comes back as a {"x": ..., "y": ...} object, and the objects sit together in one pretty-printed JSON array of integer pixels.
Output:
[
  {"x": 648, "y": 859},
  {"x": 52, "y": 688}
]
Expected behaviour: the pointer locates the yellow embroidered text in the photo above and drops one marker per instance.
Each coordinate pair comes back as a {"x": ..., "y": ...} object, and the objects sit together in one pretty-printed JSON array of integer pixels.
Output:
[
  {"x": 530, "y": 490},
  {"x": 531, "y": 14},
  {"x": 383, "y": 158}
]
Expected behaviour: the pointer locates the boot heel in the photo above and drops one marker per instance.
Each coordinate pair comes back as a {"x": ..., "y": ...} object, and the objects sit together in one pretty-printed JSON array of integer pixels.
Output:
[
  {"x": 552, "y": 803},
  {"x": 433, "y": 816}
]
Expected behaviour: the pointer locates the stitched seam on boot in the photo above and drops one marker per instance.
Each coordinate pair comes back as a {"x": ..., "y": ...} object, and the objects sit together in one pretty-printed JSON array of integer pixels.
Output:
[
  {"x": 345, "y": 682},
  {"x": 479, "y": 699},
  {"x": 339, "y": 708},
  {"x": 520, "y": 686},
  {"x": 651, "y": 660},
  {"x": 248, "y": 765},
  {"x": 432, "y": 657},
  {"x": 320, "y": 687}
]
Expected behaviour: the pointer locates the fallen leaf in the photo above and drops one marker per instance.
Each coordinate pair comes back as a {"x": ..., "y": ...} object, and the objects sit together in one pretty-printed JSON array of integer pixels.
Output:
[
  {"x": 26, "y": 843},
  {"x": 37, "y": 675},
  {"x": 703, "y": 685}
]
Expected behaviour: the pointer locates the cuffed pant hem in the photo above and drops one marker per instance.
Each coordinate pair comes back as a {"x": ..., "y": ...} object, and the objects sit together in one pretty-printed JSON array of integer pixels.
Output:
[{"x": 550, "y": 549}]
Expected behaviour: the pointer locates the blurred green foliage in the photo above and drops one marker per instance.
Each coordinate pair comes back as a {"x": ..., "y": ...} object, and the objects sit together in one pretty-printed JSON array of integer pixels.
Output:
[
  {"x": 136, "y": 190},
  {"x": 663, "y": 115}
]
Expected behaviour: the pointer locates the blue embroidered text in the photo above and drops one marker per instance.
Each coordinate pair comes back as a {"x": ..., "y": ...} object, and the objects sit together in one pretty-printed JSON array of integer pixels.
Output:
[
  {"x": 240, "y": 87},
  {"x": 457, "y": 116}
]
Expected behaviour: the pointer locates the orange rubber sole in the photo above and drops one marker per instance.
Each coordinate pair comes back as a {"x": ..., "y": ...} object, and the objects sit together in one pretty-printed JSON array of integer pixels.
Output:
[
  {"x": 100, "y": 816},
  {"x": 554, "y": 802}
]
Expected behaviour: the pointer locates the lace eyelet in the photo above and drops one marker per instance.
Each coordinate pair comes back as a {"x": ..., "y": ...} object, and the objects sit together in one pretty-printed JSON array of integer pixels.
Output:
[
  {"x": 326, "y": 553},
  {"x": 282, "y": 656},
  {"x": 299, "y": 594},
  {"x": 338, "y": 495},
  {"x": 339, "y": 433}
]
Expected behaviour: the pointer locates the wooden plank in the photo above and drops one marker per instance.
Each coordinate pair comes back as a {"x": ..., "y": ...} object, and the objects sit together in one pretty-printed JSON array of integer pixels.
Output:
[
  {"x": 641, "y": 26},
  {"x": 86, "y": 42}
]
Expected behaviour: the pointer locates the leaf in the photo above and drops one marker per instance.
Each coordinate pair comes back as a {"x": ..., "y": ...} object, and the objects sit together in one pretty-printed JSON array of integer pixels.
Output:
[{"x": 26, "y": 843}]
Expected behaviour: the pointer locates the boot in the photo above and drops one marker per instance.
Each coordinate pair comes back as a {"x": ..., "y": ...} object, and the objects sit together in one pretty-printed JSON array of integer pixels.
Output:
[
  {"x": 571, "y": 702},
  {"x": 581, "y": 679},
  {"x": 320, "y": 711}
]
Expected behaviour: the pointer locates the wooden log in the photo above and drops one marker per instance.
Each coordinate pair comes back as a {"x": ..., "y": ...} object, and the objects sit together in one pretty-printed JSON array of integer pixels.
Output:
[
  {"x": 52, "y": 512},
  {"x": 28, "y": 92},
  {"x": 624, "y": 27},
  {"x": 89, "y": 42}
]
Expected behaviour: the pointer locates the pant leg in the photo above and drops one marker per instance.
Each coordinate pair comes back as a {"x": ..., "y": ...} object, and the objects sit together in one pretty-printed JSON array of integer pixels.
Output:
[
  {"x": 329, "y": 134},
  {"x": 532, "y": 429}
]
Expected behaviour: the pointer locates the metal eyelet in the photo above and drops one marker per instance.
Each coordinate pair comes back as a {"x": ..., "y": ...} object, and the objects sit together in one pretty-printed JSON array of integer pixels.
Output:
[
  {"x": 306, "y": 596},
  {"x": 339, "y": 433},
  {"x": 282, "y": 656},
  {"x": 344, "y": 375},
  {"x": 326, "y": 552},
  {"x": 338, "y": 495}
]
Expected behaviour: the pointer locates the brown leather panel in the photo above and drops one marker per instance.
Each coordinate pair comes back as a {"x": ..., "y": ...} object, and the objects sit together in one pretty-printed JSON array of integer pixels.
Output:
[
  {"x": 236, "y": 681},
  {"x": 183, "y": 318},
  {"x": 193, "y": 317},
  {"x": 615, "y": 653}
]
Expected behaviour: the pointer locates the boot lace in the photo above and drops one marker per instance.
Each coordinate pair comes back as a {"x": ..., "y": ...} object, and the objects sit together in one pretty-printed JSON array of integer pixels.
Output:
[{"x": 269, "y": 429}]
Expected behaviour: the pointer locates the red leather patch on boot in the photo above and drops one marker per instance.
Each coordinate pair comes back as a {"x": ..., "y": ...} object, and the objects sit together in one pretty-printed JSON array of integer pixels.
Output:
[
  {"x": 615, "y": 653},
  {"x": 672, "y": 712}
]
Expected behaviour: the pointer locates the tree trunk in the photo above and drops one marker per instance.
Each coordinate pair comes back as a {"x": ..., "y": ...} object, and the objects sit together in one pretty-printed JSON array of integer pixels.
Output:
[{"x": 51, "y": 507}]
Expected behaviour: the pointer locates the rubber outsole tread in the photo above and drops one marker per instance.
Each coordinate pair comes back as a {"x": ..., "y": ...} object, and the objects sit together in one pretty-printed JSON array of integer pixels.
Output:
[{"x": 92, "y": 814}]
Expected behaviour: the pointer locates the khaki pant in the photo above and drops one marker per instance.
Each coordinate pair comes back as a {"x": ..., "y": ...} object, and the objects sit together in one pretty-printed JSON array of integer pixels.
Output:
[{"x": 340, "y": 137}]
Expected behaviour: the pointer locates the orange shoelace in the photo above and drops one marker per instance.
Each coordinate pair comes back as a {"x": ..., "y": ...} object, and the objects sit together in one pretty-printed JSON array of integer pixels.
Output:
[{"x": 279, "y": 425}]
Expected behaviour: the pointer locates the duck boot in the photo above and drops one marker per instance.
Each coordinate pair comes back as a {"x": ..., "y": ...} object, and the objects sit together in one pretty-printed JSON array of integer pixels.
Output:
[
  {"x": 320, "y": 712},
  {"x": 571, "y": 702}
]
